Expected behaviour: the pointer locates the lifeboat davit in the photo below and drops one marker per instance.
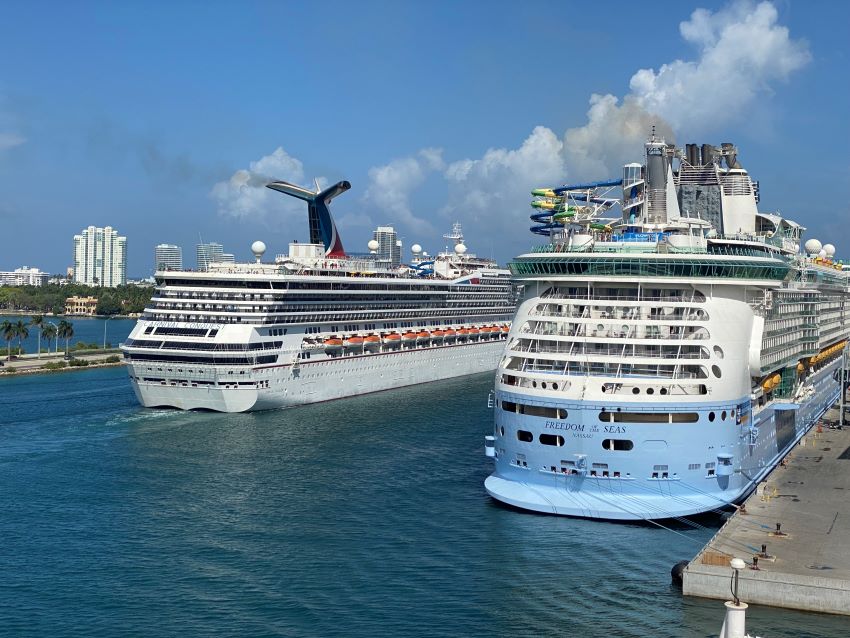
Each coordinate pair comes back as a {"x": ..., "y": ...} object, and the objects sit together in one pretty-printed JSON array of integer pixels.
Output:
[
  {"x": 372, "y": 342},
  {"x": 333, "y": 343}
]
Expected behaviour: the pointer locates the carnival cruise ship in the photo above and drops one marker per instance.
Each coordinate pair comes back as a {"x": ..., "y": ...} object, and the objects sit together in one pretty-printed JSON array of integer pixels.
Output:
[
  {"x": 671, "y": 345},
  {"x": 317, "y": 323}
]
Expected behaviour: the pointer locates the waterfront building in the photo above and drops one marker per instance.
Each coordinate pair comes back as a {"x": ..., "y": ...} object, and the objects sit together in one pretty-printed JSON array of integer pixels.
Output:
[
  {"x": 168, "y": 257},
  {"x": 23, "y": 276},
  {"x": 86, "y": 306},
  {"x": 100, "y": 257},
  {"x": 389, "y": 246},
  {"x": 207, "y": 254}
]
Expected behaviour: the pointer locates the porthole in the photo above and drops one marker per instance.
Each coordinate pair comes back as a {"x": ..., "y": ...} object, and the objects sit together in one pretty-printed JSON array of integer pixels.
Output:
[
  {"x": 663, "y": 390},
  {"x": 552, "y": 439},
  {"x": 554, "y": 386},
  {"x": 604, "y": 389},
  {"x": 716, "y": 371},
  {"x": 524, "y": 436},
  {"x": 635, "y": 390},
  {"x": 650, "y": 391},
  {"x": 723, "y": 415},
  {"x": 534, "y": 384},
  {"x": 718, "y": 351},
  {"x": 502, "y": 430},
  {"x": 543, "y": 385},
  {"x": 711, "y": 416}
]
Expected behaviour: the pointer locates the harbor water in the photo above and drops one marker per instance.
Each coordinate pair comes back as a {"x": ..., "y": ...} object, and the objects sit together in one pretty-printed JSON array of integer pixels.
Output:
[{"x": 359, "y": 517}]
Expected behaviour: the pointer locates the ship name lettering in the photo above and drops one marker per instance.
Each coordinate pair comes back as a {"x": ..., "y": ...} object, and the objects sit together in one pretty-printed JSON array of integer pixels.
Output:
[
  {"x": 615, "y": 429},
  {"x": 556, "y": 425}
]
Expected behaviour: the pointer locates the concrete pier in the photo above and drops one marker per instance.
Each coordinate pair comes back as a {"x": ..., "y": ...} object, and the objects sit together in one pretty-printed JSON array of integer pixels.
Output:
[{"x": 807, "y": 564}]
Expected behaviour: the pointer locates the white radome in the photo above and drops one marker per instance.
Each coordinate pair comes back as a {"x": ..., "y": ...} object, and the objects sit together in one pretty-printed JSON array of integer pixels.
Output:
[
  {"x": 822, "y": 253},
  {"x": 258, "y": 248},
  {"x": 416, "y": 249},
  {"x": 813, "y": 246},
  {"x": 830, "y": 249},
  {"x": 373, "y": 244},
  {"x": 460, "y": 249}
]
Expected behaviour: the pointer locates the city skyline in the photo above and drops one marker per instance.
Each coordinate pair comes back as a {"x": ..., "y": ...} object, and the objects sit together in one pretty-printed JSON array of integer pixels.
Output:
[
  {"x": 100, "y": 257},
  {"x": 464, "y": 133}
]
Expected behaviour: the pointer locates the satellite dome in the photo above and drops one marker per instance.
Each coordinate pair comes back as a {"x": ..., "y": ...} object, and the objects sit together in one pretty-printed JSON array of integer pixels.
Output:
[
  {"x": 813, "y": 246},
  {"x": 830, "y": 249},
  {"x": 460, "y": 249},
  {"x": 416, "y": 249},
  {"x": 373, "y": 245},
  {"x": 258, "y": 248},
  {"x": 822, "y": 253}
]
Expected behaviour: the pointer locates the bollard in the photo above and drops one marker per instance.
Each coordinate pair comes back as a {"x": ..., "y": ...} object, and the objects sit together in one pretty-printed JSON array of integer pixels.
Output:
[{"x": 755, "y": 565}]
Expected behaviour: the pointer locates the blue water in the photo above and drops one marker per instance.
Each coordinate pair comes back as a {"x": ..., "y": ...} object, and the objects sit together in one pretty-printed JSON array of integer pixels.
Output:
[
  {"x": 359, "y": 517},
  {"x": 86, "y": 329}
]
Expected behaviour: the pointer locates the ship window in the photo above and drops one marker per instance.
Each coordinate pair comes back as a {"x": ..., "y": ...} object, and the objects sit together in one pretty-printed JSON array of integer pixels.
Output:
[
  {"x": 552, "y": 439},
  {"x": 723, "y": 415},
  {"x": 716, "y": 371},
  {"x": 711, "y": 417},
  {"x": 685, "y": 417},
  {"x": 650, "y": 391},
  {"x": 617, "y": 444},
  {"x": 509, "y": 406},
  {"x": 635, "y": 390},
  {"x": 524, "y": 435},
  {"x": 718, "y": 351}
]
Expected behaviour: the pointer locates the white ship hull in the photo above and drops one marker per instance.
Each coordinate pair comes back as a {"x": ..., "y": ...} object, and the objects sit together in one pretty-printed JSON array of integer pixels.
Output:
[{"x": 287, "y": 385}]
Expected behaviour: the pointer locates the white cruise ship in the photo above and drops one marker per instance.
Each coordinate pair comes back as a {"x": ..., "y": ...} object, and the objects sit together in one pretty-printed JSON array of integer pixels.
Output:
[
  {"x": 317, "y": 324},
  {"x": 665, "y": 358}
]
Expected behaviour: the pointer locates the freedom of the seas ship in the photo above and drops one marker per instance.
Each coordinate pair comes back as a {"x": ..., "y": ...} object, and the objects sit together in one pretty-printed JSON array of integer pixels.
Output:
[
  {"x": 665, "y": 358},
  {"x": 318, "y": 323}
]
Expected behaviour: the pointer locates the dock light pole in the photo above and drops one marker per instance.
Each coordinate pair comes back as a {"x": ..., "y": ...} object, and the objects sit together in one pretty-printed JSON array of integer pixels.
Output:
[{"x": 734, "y": 625}]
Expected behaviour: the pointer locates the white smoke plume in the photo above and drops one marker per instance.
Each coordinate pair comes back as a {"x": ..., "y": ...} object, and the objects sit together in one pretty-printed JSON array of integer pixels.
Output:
[{"x": 244, "y": 195}]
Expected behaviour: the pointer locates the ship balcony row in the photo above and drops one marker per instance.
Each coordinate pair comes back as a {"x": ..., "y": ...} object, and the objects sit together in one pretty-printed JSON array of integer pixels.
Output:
[
  {"x": 539, "y": 383},
  {"x": 625, "y": 312},
  {"x": 625, "y": 331},
  {"x": 579, "y": 294},
  {"x": 455, "y": 315},
  {"x": 609, "y": 369},
  {"x": 577, "y": 348}
]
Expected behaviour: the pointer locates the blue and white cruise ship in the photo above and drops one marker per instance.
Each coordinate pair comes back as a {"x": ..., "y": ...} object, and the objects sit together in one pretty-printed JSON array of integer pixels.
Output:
[{"x": 662, "y": 360}]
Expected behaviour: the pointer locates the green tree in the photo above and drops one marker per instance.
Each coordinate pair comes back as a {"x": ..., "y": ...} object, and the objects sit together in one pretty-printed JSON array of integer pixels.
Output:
[
  {"x": 49, "y": 331},
  {"x": 37, "y": 322},
  {"x": 21, "y": 332},
  {"x": 66, "y": 331},
  {"x": 9, "y": 332}
]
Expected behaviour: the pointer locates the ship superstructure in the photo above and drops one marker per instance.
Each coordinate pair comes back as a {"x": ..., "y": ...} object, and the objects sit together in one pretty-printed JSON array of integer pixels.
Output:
[
  {"x": 317, "y": 323},
  {"x": 664, "y": 359}
]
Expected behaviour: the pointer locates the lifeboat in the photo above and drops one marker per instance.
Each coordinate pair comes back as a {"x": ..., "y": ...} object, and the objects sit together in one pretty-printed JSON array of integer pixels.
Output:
[
  {"x": 392, "y": 338},
  {"x": 372, "y": 342},
  {"x": 353, "y": 342},
  {"x": 438, "y": 335},
  {"x": 506, "y": 329},
  {"x": 333, "y": 343},
  {"x": 474, "y": 333},
  {"x": 450, "y": 334},
  {"x": 463, "y": 334},
  {"x": 409, "y": 337},
  {"x": 423, "y": 336}
]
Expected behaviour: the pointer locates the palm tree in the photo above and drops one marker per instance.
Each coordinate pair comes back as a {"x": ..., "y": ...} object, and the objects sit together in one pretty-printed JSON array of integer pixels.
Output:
[
  {"x": 21, "y": 332},
  {"x": 8, "y": 330},
  {"x": 65, "y": 331},
  {"x": 37, "y": 321},
  {"x": 48, "y": 331}
]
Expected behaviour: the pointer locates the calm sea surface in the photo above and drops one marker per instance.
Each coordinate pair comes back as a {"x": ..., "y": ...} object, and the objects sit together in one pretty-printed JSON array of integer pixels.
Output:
[{"x": 359, "y": 517}]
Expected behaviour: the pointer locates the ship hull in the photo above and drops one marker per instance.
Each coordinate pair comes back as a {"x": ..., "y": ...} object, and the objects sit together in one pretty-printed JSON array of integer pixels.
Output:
[
  {"x": 538, "y": 483},
  {"x": 288, "y": 385}
]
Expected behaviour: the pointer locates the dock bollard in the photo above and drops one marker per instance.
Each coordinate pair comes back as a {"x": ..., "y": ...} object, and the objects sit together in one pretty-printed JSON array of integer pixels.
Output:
[
  {"x": 755, "y": 566},
  {"x": 779, "y": 531}
]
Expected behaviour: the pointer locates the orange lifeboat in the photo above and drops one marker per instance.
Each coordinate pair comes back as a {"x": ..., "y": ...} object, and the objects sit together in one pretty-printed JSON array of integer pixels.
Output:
[
  {"x": 438, "y": 335},
  {"x": 392, "y": 338},
  {"x": 474, "y": 333},
  {"x": 506, "y": 329},
  {"x": 333, "y": 343},
  {"x": 372, "y": 341},
  {"x": 409, "y": 336},
  {"x": 450, "y": 334},
  {"x": 423, "y": 336},
  {"x": 353, "y": 342},
  {"x": 463, "y": 334}
]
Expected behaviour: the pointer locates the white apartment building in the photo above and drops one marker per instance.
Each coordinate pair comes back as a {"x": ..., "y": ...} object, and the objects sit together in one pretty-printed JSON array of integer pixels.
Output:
[
  {"x": 389, "y": 246},
  {"x": 100, "y": 257},
  {"x": 168, "y": 257},
  {"x": 23, "y": 276}
]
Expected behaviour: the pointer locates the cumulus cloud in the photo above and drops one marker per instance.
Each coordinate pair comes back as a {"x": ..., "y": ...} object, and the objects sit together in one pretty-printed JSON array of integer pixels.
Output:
[
  {"x": 244, "y": 195},
  {"x": 391, "y": 186},
  {"x": 741, "y": 52}
]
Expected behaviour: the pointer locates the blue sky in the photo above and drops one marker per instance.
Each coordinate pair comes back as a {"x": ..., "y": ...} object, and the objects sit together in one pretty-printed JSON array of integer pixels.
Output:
[{"x": 158, "y": 118}]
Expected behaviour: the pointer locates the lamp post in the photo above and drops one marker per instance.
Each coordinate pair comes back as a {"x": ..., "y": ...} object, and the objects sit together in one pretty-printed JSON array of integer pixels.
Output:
[{"x": 734, "y": 625}]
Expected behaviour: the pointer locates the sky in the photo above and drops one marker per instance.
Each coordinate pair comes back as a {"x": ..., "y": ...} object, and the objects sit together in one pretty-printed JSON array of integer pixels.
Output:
[{"x": 164, "y": 119}]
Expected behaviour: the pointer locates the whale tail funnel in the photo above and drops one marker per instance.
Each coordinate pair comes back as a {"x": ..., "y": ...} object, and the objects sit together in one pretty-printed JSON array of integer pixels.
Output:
[{"x": 322, "y": 227}]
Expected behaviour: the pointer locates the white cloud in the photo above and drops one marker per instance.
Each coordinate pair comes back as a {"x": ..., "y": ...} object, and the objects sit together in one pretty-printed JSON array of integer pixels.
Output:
[
  {"x": 10, "y": 140},
  {"x": 391, "y": 185},
  {"x": 245, "y": 195}
]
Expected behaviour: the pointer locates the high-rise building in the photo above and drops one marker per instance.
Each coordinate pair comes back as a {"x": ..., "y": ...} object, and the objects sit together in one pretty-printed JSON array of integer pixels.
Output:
[
  {"x": 207, "y": 254},
  {"x": 23, "y": 276},
  {"x": 100, "y": 257},
  {"x": 168, "y": 257},
  {"x": 389, "y": 245}
]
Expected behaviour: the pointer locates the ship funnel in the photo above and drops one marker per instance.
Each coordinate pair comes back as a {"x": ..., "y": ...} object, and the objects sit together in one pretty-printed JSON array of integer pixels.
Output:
[
  {"x": 708, "y": 152},
  {"x": 692, "y": 154},
  {"x": 731, "y": 154}
]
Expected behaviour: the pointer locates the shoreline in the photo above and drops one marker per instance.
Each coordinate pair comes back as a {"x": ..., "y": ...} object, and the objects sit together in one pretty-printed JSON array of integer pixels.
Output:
[{"x": 11, "y": 373}]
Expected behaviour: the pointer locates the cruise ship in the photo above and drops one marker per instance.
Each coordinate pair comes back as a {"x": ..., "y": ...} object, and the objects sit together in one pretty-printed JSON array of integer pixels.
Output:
[
  {"x": 317, "y": 323},
  {"x": 672, "y": 343}
]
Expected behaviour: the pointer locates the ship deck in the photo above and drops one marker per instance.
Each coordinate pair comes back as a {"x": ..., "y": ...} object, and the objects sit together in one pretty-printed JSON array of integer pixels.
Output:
[{"x": 808, "y": 566}]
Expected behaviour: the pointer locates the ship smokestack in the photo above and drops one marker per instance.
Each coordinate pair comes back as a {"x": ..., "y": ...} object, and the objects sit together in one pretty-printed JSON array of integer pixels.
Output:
[
  {"x": 731, "y": 154},
  {"x": 708, "y": 152},
  {"x": 692, "y": 153}
]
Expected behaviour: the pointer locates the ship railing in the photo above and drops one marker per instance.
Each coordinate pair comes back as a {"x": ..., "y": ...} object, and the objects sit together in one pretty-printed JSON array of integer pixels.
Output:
[
  {"x": 606, "y": 370},
  {"x": 585, "y": 297}
]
